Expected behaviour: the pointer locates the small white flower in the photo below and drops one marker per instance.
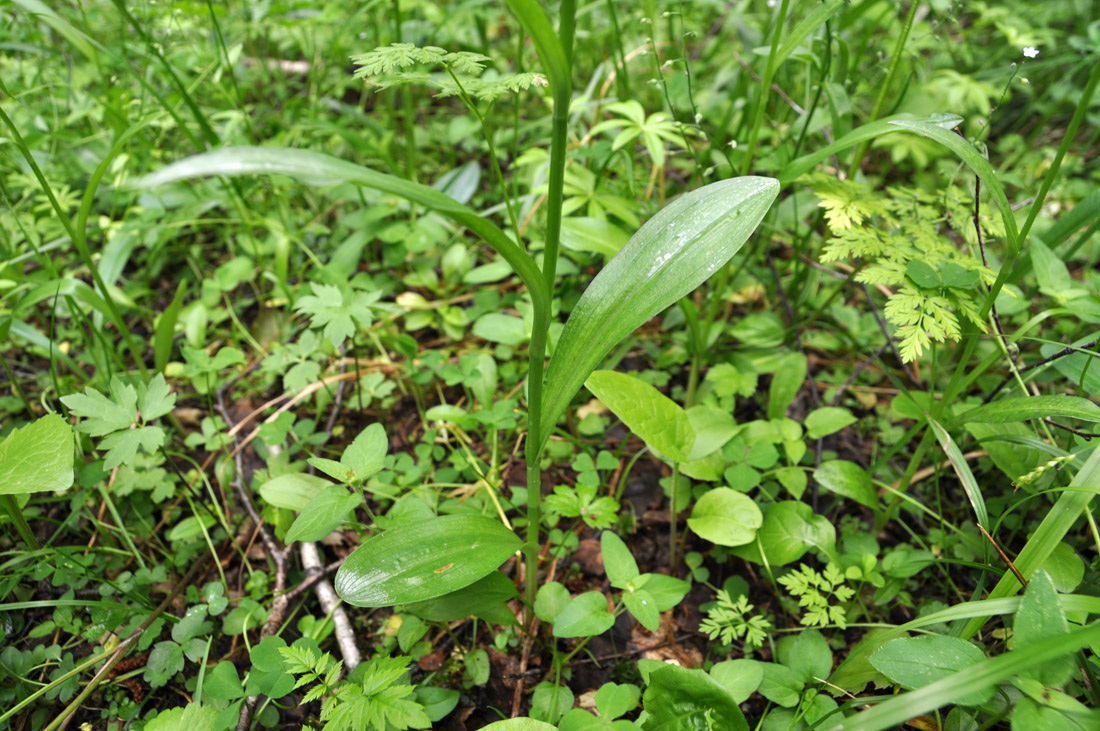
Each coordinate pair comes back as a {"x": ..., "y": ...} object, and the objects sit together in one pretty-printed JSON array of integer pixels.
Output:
[
  {"x": 1031, "y": 52},
  {"x": 733, "y": 144}
]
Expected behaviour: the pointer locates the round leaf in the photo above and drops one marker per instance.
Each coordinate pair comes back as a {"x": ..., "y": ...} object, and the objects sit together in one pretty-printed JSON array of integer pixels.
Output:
[
  {"x": 585, "y": 616},
  {"x": 847, "y": 479},
  {"x": 726, "y": 517},
  {"x": 424, "y": 560}
]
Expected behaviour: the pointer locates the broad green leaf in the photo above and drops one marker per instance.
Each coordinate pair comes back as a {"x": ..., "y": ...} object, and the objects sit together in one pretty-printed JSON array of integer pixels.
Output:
[
  {"x": 424, "y": 560},
  {"x": 725, "y": 517},
  {"x": 713, "y": 427},
  {"x": 923, "y": 274},
  {"x": 967, "y": 683},
  {"x": 790, "y": 529},
  {"x": 613, "y": 699},
  {"x": 807, "y": 654},
  {"x": 827, "y": 420},
  {"x": 100, "y": 415},
  {"x": 592, "y": 235},
  {"x": 550, "y": 701},
  {"x": 550, "y": 600},
  {"x": 667, "y": 591},
  {"x": 585, "y": 616},
  {"x": 914, "y": 662},
  {"x": 654, "y": 417},
  {"x": 157, "y": 399},
  {"x": 292, "y": 491},
  {"x": 780, "y": 685},
  {"x": 366, "y": 453},
  {"x": 1032, "y": 407},
  {"x": 37, "y": 457},
  {"x": 497, "y": 327},
  {"x": 222, "y": 682},
  {"x": 740, "y": 677},
  {"x": 325, "y": 513},
  {"x": 1040, "y": 617},
  {"x": 644, "y": 608},
  {"x": 678, "y": 699},
  {"x": 1065, "y": 567},
  {"x": 314, "y": 168},
  {"x": 618, "y": 562},
  {"x": 672, "y": 254},
  {"x": 847, "y": 479},
  {"x": 486, "y": 593},
  {"x": 788, "y": 379}
]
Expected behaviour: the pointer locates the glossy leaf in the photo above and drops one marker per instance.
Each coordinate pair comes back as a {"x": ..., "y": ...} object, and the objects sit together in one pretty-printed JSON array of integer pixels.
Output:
[
  {"x": 1041, "y": 617},
  {"x": 654, "y": 417},
  {"x": 726, "y": 517},
  {"x": 790, "y": 529},
  {"x": 740, "y": 677},
  {"x": 424, "y": 560},
  {"x": 37, "y": 457},
  {"x": 552, "y": 598},
  {"x": 485, "y": 593},
  {"x": 672, "y": 254},
  {"x": 644, "y": 608}
]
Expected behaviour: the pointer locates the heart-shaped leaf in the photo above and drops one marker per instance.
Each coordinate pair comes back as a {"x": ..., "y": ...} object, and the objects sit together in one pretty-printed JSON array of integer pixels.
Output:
[
  {"x": 424, "y": 560},
  {"x": 672, "y": 254},
  {"x": 586, "y": 616}
]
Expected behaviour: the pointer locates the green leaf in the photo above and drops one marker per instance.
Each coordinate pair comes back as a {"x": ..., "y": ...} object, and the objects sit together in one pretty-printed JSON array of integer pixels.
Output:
[
  {"x": 740, "y": 677},
  {"x": 673, "y": 253},
  {"x": 37, "y": 457},
  {"x": 618, "y": 562},
  {"x": 122, "y": 446},
  {"x": 101, "y": 415},
  {"x": 1041, "y": 617},
  {"x": 520, "y": 724},
  {"x": 667, "y": 591},
  {"x": 553, "y": 57},
  {"x": 222, "y": 682},
  {"x": 592, "y": 235},
  {"x": 713, "y": 427},
  {"x": 324, "y": 514},
  {"x": 549, "y": 702},
  {"x": 613, "y": 700},
  {"x": 165, "y": 660},
  {"x": 655, "y": 418},
  {"x": 790, "y": 373},
  {"x": 314, "y": 168},
  {"x": 1032, "y": 407},
  {"x": 827, "y": 420},
  {"x": 678, "y": 699},
  {"x": 849, "y": 480},
  {"x": 497, "y": 327},
  {"x": 644, "y": 608},
  {"x": 550, "y": 600},
  {"x": 922, "y": 274},
  {"x": 725, "y": 517},
  {"x": 780, "y": 685},
  {"x": 336, "y": 470},
  {"x": 165, "y": 331},
  {"x": 914, "y": 662},
  {"x": 365, "y": 455},
  {"x": 292, "y": 491},
  {"x": 424, "y": 560},
  {"x": 790, "y": 529},
  {"x": 585, "y": 616},
  {"x": 157, "y": 399},
  {"x": 491, "y": 591},
  {"x": 808, "y": 655}
]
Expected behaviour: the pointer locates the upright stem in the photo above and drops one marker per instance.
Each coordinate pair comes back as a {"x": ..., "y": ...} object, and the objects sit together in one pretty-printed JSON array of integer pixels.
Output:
[
  {"x": 672, "y": 518},
  {"x": 765, "y": 88},
  {"x": 537, "y": 352},
  {"x": 891, "y": 72}
]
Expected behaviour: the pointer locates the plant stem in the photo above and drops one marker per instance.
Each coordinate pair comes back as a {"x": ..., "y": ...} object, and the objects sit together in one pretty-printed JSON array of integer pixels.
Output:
[
  {"x": 887, "y": 82},
  {"x": 7, "y": 502},
  {"x": 765, "y": 88},
  {"x": 672, "y": 518}
]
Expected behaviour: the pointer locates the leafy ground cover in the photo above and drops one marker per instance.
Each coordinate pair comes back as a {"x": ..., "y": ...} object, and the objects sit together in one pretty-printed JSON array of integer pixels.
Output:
[{"x": 653, "y": 365}]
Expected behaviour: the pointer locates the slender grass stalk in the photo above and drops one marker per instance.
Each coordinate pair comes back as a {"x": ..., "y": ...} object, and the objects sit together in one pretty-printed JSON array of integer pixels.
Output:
[
  {"x": 895, "y": 60},
  {"x": 765, "y": 88},
  {"x": 7, "y": 502}
]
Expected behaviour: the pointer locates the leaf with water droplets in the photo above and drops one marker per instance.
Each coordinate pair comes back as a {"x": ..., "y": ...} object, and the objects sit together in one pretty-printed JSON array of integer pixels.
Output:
[
  {"x": 672, "y": 254},
  {"x": 424, "y": 560}
]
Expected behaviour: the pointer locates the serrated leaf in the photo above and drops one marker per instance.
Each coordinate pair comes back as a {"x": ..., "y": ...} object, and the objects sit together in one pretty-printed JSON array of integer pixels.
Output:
[
  {"x": 424, "y": 560},
  {"x": 157, "y": 400},
  {"x": 37, "y": 457},
  {"x": 122, "y": 446},
  {"x": 672, "y": 254},
  {"x": 100, "y": 415}
]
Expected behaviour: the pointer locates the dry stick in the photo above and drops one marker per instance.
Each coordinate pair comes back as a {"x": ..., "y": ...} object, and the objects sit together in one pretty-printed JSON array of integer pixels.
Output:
[
  {"x": 1083, "y": 434},
  {"x": 1006, "y": 559},
  {"x": 331, "y": 604},
  {"x": 62, "y": 719},
  {"x": 1068, "y": 350}
]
